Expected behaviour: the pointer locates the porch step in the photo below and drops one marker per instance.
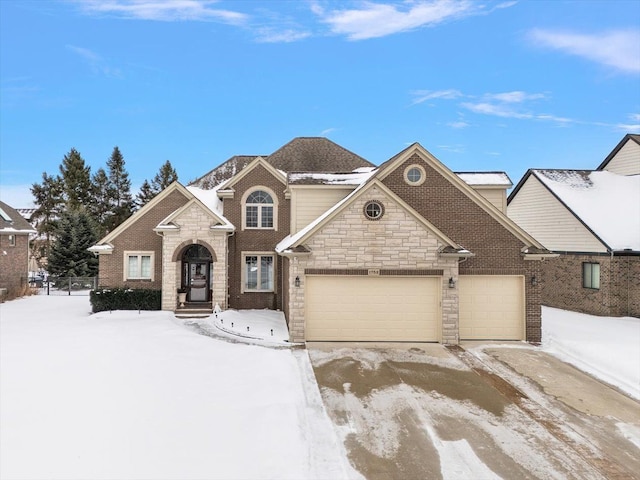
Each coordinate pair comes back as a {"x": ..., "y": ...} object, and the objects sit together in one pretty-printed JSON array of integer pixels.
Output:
[
  {"x": 192, "y": 313},
  {"x": 194, "y": 310}
]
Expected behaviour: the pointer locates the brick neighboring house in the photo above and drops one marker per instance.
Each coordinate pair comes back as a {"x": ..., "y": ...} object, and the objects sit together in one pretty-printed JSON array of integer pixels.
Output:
[
  {"x": 408, "y": 251},
  {"x": 591, "y": 218},
  {"x": 14, "y": 249}
]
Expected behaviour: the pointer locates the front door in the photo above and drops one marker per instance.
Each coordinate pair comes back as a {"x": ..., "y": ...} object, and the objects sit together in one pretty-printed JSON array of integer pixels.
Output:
[
  {"x": 196, "y": 273},
  {"x": 198, "y": 281}
]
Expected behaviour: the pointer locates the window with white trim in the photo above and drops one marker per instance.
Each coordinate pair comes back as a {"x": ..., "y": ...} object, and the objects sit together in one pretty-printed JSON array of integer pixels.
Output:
[
  {"x": 591, "y": 275},
  {"x": 259, "y": 210},
  {"x": 138, "y": 265},
  {"x": 258, "y": 273},
  {"x": 415, "y": 175}
]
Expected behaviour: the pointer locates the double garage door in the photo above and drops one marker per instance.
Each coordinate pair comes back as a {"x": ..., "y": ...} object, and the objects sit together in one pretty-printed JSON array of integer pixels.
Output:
[
  {"x": 372, "y": 308},
  {"x": 399, "y": 309}
]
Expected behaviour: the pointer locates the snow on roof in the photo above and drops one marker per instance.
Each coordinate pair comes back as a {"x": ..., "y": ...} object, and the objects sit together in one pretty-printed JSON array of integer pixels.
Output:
[
  {"x": 326, "y": 178},
  {"x": 210, "y": 199},
  {"x": 485, "y": 178},
  {"x": 609, "y": 204}
]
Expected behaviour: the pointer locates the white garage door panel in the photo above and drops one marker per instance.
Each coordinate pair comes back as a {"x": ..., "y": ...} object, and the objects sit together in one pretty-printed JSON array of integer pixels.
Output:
[
  {"x": 491, "y": 307},
  {"x": 372, "y": 308}
]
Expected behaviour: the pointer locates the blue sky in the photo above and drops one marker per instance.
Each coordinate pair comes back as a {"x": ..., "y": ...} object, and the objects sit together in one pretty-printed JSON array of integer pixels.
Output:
[{"x": 493, "y": 85}]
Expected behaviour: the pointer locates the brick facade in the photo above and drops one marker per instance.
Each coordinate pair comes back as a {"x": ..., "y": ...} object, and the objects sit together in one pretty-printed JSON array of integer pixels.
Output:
[
  {"x": 255, "y": 240},
  {"x": 619, "y": 292},
  {"x": 497, "y": 250},
  {"x": 14, "y": 263},
  {"x": 139, "y": 236}
]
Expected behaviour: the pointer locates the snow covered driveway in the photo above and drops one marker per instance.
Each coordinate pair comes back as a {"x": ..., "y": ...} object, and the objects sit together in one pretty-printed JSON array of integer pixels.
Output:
[
  {"x": 487, "y": 412},
  {"x": 129, "y": 396}
]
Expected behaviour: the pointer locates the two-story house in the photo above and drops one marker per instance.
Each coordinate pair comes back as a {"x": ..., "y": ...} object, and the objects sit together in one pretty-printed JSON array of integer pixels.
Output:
[
  {"x": 14, "y": 250},
  {"x": 408, "y": 251}
]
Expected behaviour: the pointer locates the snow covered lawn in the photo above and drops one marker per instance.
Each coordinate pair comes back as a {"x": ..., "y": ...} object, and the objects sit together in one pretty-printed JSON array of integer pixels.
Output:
[
  {"x": 125, "y": 395},
  {"x": 606, "y": 347}
]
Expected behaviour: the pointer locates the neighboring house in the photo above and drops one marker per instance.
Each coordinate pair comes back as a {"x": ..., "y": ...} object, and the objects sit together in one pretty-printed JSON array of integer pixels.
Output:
[
  {"x": 14, "y": 249},
  {"x": 408, "y": 251},
  {"x": 592, "y": 219}
]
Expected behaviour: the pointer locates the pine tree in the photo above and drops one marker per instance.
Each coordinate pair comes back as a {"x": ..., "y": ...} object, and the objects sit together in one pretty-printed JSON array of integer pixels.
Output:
[
  {"x": 165, "y": 177},
  {"x": 76, "y": 180},
  {"x": 69, "y": 256},
  {"x": 49, "y": 201},
  {"x": 102, "y": 205},
  {"x": 120, "y": 190},
  {"x": 145, "y": 194}
]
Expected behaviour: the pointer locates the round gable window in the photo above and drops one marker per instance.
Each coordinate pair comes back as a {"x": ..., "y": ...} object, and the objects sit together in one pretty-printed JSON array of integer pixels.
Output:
[
  {"x": 414, "y": 175},
  {"x": 373, "y": 210}
]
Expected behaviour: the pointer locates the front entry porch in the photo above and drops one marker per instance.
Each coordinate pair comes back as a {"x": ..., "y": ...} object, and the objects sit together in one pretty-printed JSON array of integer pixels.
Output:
[{"x": 196, "y": 289}]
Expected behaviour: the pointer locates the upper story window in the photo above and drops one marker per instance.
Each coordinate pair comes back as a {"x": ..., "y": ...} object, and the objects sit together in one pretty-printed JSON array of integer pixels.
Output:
[
  {"x": 259, "y": 210},
  {"x": 591, "y": 275}
]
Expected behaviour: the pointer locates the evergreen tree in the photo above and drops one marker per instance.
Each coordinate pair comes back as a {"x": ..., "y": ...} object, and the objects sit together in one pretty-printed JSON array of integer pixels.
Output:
[
  {"x": 49, "y": 201},
  {"x": 69, "y": 256},
  {"x": 102, "y": 205},
  {"x": 120, "y": 190},
  {"x": 165, "y": 177},
  {"x": 145, "y": 194},
  {"x": 76, "y": 180}
]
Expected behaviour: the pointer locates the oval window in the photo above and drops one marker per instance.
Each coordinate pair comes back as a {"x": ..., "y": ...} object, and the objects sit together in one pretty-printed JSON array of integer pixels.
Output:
[
  {"x": 373, "y": 210},
  {"x": 414, "y": 175}
]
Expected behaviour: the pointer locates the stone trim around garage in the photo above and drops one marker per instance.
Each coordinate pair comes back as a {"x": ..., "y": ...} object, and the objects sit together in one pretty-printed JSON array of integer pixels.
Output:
[{"x": 373, "y": 272}]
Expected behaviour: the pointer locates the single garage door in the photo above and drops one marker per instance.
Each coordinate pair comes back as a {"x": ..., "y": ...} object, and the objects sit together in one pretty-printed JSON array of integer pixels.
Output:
[
  {"x": 491, "y": 307},
  {"x": 359, "y": 308}
]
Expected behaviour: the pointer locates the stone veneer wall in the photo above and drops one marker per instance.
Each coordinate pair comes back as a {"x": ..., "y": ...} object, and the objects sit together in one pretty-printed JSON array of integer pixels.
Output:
[
  {"x": 195, "y": 227},
  {"x": 397, "y": 241}
]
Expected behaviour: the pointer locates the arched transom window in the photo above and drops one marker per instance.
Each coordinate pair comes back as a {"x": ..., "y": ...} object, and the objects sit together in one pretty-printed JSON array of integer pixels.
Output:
[{"x": 259, "y": 210}]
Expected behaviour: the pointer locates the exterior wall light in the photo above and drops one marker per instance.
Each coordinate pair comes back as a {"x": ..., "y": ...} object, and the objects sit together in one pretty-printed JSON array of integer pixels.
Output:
[
  {"x": 534, "y": 281},
  {"x": 452, "y": 282},
  {"x": 297, "y": 281}
]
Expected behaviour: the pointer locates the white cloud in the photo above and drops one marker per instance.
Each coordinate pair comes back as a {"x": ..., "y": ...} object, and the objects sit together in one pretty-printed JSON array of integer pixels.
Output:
[
  {"x": 424, "y": 95},
  {"x": 163, "y": 10},
  {"x": 458, "y": 124},
  {"x": 96, "y": 62},
  {"x": 495, "y": 109},
  {"x": 635, "y": 117},
  {"x": 271, "y": 35},
  {"x": 619, "y": 49},
  {"x": 374, "y": 20},
  {"x": 629, "y": 128},
  {"x": 514, "y": 97},
  {"x": 327, "y": 131}
]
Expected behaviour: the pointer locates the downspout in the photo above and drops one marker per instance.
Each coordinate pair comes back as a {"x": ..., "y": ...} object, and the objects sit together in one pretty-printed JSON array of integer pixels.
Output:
[{"x": 226, "y": 275}]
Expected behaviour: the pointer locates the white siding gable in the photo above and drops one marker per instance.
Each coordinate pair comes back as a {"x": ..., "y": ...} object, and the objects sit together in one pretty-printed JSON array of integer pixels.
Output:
[
  {"x": 626, "y": 161},
  {"x": 542, "y": 215},
  {"x": 309, "y": 202}
]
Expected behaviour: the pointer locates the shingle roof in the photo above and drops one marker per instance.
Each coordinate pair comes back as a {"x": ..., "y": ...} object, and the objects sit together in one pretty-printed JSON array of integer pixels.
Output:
[
  {"x": 223, "y": 172},
  {"x": 12, "y": 221},
  {"x": 302, "y": 154},
  {"x": 315, "y": 154}
]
